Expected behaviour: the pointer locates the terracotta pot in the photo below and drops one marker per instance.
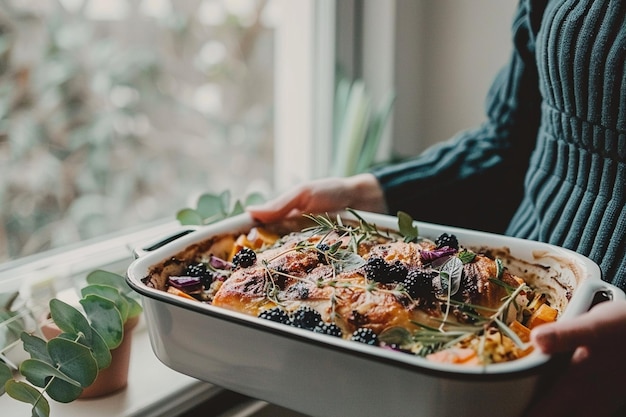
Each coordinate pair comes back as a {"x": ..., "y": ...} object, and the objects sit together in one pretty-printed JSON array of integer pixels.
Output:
[{"x": 115, "y": 377}]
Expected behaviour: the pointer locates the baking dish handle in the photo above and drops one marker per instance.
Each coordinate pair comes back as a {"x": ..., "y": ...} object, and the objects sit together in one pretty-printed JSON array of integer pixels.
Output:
[
  {"x": 591, "y": 292},
  {"x": 145, "y": 248}
]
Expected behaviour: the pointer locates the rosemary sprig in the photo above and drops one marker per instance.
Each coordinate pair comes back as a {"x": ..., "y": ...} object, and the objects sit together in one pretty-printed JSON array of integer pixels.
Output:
[{"x": 357, "y": 234}]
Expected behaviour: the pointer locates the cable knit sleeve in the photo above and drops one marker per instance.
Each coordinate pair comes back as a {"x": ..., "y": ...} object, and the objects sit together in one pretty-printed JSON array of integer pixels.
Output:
[{"x": 475, "y": 179}]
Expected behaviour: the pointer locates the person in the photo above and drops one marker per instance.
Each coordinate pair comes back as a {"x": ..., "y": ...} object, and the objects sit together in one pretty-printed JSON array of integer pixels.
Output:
[{"x": 549, "y": 164}]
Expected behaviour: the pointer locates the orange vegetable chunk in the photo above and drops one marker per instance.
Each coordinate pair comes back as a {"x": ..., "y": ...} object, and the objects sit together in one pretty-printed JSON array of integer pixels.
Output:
[
  {"x": 543, "y": 314},
  {"x": 522, "y": 331},
  {"x": 259, "y": 236},
  {"x": 176, "y": 291},
  {"x": 461, "y": 356}
]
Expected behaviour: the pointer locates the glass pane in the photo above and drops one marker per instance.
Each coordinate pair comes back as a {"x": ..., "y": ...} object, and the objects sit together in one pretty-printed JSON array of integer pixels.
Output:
[{"x": 116, "y": 113}]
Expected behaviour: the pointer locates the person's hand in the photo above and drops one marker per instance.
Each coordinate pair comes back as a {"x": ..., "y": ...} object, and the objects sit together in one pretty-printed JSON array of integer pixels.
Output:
[
  {"x": 593, "y": 382},
  {"x": 328, "y": 195}
]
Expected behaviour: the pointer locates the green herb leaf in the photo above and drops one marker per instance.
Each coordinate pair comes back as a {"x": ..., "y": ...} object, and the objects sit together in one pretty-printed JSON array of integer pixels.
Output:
[
  {"x": 63, "y": 391},
  {"x": 105, "y": 319},
  {"x": 25, "y": 393},
  {"x": 188, "y": 217},
  {"x": 213, "y": 207},
  {"x": 99, "y": 350},
  {"x": 395, "y": 335},
  {"x": 406, "y": 227},
  {"x": 237, "y": 209},
  {"x": 466, "y": 256},
  {"x": 343, "y": 261},
  {"x": 68, "y": 318},
  {"x": 112, "y": 279},
  {"x": 39, "y": 372},
  {"x": 73, "y": 360},
  {"x": 36, "y": 347},
  {"x": 101, "y": 277},
  {"x": 5, "y": 375},
  {"x": 253, "y": 199},
  {"x": 499, "y": 268},
  {"x": 451, "y": 273},
  {"x": 110, "y": 293}
]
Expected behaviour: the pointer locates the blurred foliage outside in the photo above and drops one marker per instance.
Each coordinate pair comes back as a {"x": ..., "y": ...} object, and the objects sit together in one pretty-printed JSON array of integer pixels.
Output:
[{"x": 115, "y": 113}]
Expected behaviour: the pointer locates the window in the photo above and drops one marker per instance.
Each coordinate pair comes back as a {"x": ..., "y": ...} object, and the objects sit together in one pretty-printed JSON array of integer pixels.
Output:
[{"x": 118, "y": 113}]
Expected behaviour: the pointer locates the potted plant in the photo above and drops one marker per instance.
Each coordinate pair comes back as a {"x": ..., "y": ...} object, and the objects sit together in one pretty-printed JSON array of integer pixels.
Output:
[{"x": 68, "y": 364}]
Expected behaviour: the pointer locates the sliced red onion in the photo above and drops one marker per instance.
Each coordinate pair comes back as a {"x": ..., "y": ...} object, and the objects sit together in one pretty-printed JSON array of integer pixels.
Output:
[
  {"x": 219, "y": 263},
  {"x": 186, "y": 284},
  {"x": 431, "y": 255}
]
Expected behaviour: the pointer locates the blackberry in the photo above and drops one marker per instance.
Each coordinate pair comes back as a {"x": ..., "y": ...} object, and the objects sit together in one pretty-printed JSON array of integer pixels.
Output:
[
  {"x": 377, "y": 269},
  {"x": 195, "y": 270},
  {"x": 322, "y": 249},
  {"x": 200, "y": 270},
  {"x": 275, "y": 314},
  {"x": 397, "y": 271},
  {"x": 306, "y": 318},
  {"x": 447, "y": 240},
  {"x": 418, "y": 282},
  {"x": 328, "y": 328},
  {"x": 365, "y": 335},
  {"x": 244, "y": 258}
]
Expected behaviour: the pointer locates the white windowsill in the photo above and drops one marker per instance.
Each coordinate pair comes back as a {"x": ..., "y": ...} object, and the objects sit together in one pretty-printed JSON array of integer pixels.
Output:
[{"x": 153, "y": 390}]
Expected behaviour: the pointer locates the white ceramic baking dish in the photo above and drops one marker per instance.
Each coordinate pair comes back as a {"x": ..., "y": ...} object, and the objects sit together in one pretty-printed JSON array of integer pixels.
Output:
[{"x": 326, "y": 376}]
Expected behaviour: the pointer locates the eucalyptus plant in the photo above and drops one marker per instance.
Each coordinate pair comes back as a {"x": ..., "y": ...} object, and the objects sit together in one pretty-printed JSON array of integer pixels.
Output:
[
  {"x": 63, "y": 366},
  {"x": 211, "y": 208}
]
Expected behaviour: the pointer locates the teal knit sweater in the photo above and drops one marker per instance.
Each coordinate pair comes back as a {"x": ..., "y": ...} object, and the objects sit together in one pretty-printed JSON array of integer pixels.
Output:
[{"x": 550, "y": 162}]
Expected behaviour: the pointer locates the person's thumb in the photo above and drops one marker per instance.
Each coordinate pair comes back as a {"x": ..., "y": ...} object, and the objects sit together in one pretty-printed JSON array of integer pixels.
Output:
[{"x": 606, "y": 320}]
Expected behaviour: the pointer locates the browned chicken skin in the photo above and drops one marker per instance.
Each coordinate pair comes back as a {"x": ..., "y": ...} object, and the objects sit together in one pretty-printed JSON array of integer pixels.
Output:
[{"x": 294, "y": 274}]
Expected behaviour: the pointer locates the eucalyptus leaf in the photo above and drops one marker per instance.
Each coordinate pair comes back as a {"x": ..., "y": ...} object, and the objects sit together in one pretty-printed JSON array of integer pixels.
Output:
[
  {"x": 237, "y": 209},
  {"x": 111, "y": 279},
  {"x": 225, "y": 197},
  {"x": 62, "y": 391},
  {"x": 115, "y": 280},
  {"x": 68, "y": 318},
  {"x": 134, "y": 307},
  {"x": 100, "y": 350},
  {"x": 95, "y": 343},
  {"x": 74, "y": 360},
  {"x": 212, "y": 206},
  {"x": 105, "y": 318},
  {"x": 36, "y": 347},
  {"x": 110, "y": 293},
  {"x": 189, "y": 217},
  {"x": 25, "y": 393},
  {"x": 38, "y": 373},
  {"x": 253, "y": 199},
  {"x": 5, "y": 375}
]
